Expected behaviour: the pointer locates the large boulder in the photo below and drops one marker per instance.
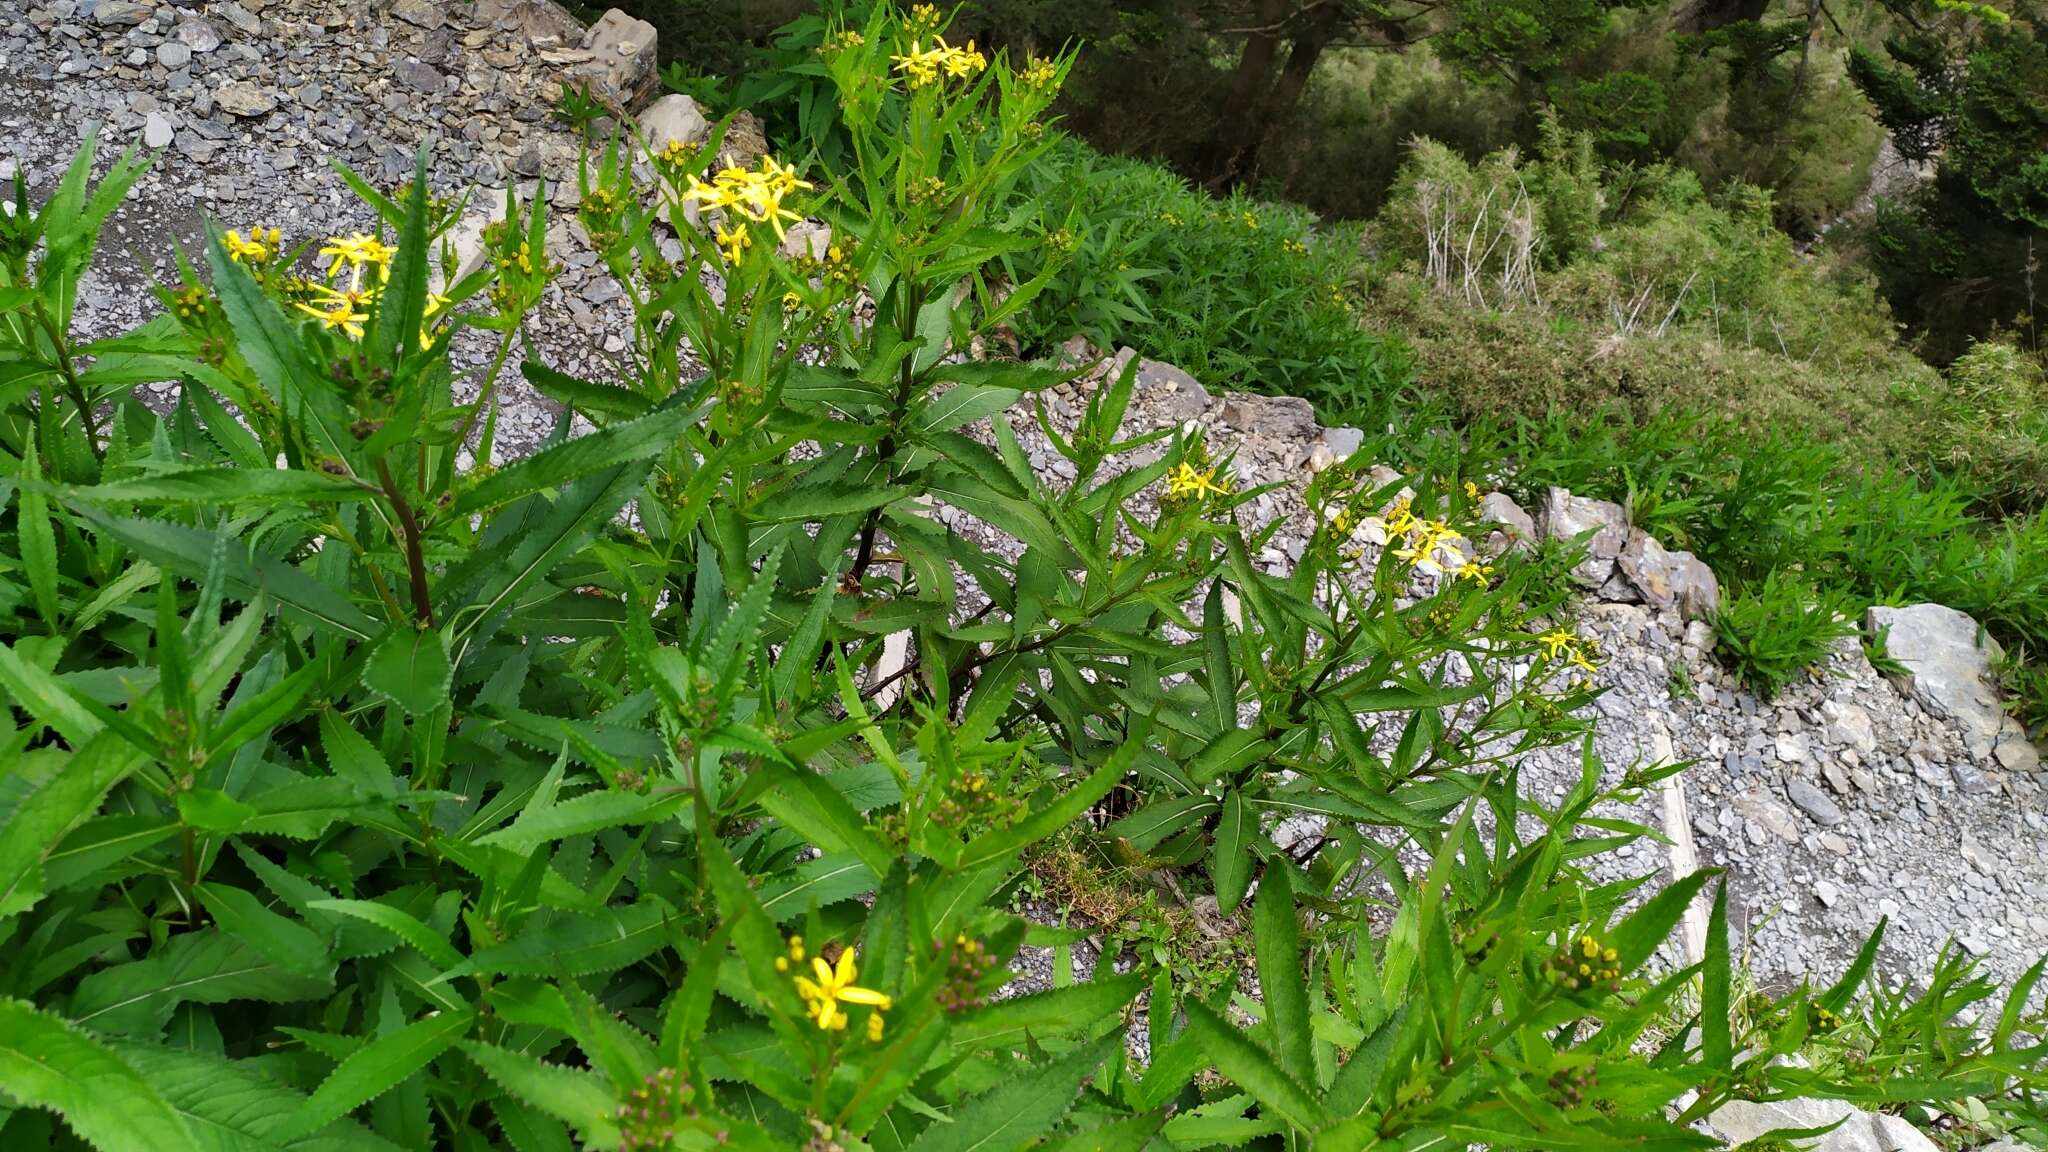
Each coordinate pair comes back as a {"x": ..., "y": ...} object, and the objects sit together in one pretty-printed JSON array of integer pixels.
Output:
[
  {"x": 1273, "y": 417},
  {"x": 1948, "y": 663},
  {"x": 1666, "y": 579},
  {"x": 1740, "y": 1121},
  {"x": 673, "y": 119},
  {"x": 1513, "y": 528},
  {"x": 1567, "y": 517},
  {"x": 623, "y": 61}
]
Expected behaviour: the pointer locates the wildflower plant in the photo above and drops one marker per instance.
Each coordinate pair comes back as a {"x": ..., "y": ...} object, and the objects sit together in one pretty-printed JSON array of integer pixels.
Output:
[{"x": 666, "y": 789}]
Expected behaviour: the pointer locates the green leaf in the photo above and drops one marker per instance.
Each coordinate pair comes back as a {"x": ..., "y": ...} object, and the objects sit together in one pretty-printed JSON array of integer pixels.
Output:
[
  {"x": 576, "y": 944},
  {"x": 284, "y": 942},
  {"x": 46, "y": 816},
  {"x": 271, "y": 347},
  {"x": 201, "y": 555},
  {"x": 1230, "y": 857},
  {"x": 1160, "y": 819},
  {"x": 47, "y": 1063},
  {"x": 1020, "y": 1109},
  {"x": 1252, "y": 1069},
  {"x": 205, "y": 967},
  {"x": 818, "y": 501},
  {"x": 1077, "y": 1007},
  {"x": 1063, "y": 811},
  {"x": 961, "y": 404},
  {"x": 607, "y": 400},
  {"x": 1636, "y": 937},
  {"x": 590, "y": 812},
  {"x": 224, "y": 487},
  {"x": 1276, "y": 936},
  {"x": 230, "y": 1107},
  {"x": 1216, "y": 660},
  {"x": 822, "y": 881},
  {"x": 376, "y": 1068},
  {"x": 1229, "y": 753},
  {"x": 35, "y": 539},
  {"x": 411, "y": 668},
  {"x": 43, "y": 696},
  {"x": 1838, "y": 995},
  {"x": 571, "y": 1095},
  {"x": 552, "y": 467},
  {"x": 407, "y": 927},
  {"x": 1717, "y": 1045}
]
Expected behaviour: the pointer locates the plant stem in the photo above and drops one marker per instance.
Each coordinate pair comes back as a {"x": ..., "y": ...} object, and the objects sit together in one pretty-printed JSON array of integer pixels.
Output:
[
  {"x": 72, "y": 385},
  {"x": 415, "y": 558}
]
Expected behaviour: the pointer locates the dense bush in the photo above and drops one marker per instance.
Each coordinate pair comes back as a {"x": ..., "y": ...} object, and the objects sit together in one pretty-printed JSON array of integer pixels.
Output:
[
  {"x": 1240, "y": 292},
  {"x": 355, "y": 799}
]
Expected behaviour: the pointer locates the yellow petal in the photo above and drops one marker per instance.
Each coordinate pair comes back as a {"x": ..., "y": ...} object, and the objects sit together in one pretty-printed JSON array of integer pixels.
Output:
[{"x": 854, "y": 995}]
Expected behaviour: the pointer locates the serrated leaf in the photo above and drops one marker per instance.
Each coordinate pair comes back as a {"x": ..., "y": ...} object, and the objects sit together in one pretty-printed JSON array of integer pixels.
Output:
[
  {"x": 1159, "y": 819},
  {"x": 571, "y": 1095},
  {"x": 1253, "y": 1069},
  {"x": 822, "y": 881},
  {"x": 35, "y": 540},
  {"x": 376, "y": 1068},
  {"x": 41, "y": 820},
  {"x": 818, "y": 501},
  {"x": 411, "y": 668},
  {"x": 1276, "y": 936},
  {"x": 284, "y": 942},
  {"x": 47, "y": 1063},
  {"x": 201, "y": 555},
  {"x": 579, "y": 815},
  {"x": 224, "y": 486},
  {"x": 961, "y": 404},
  {"x": 1051, "y": 1013},
  {"x": 230, "y": 1107},
  {"x": 205, "y": 967},
  {"x": 1230, "y": 857},
  {"x": 575, "y": 944},
  {"x": 607, "y": 400},
  {"x": 407, "y": 927},
  {"x": 1019, "y": 1110},
  {"x": 552, "y": 467}
]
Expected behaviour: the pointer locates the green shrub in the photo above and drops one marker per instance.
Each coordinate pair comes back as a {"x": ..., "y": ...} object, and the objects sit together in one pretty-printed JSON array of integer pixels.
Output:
[
  {"x": 1771, "y": 632},
  {"x": 1239, "y": 292}
]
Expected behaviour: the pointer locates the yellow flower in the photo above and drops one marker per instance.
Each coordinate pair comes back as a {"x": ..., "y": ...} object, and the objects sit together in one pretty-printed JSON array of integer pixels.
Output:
[
  {"x": 921, "y": 66},
  {"x": 874, "y": 1027},
  {"x": 355, "y": 251},
  {"x": 925, "y": 14},
  {"x": 733, "y": 242},
  {"x": 1251, "y": 221},
  {"x": 339, "y": 310},
  {"x": 831, "y": 985},
  {"x": 959, "y": 62},
  {"x": 259, "y": 248},
  {"x": 1471, "y": 490},
  {"x": 1476, "y": 572},
  {"x": 1041, "y": 73},
  {"x": 1555, "y": 642},
  {"x": 1185, "y": 481}
]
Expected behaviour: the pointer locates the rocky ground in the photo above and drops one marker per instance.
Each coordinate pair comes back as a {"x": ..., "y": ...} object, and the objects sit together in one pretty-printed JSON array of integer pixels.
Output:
[{"x": 1848, "y": 798}]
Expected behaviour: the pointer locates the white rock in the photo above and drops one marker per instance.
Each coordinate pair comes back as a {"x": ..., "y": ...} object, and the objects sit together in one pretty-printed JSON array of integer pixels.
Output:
[
  {"x": 1567, "y": 517},
  {"x": 1742, "y": 1121},
  {"x": 673, "y": 119},
  {"x": 156, "y": 130},
  {"x": 1948, "y": 667},
  {"x": 1897, "y": 1134}
]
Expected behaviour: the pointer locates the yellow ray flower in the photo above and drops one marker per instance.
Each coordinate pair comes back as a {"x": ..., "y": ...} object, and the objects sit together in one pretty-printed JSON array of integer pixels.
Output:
[{"x": 831, "y": 985}]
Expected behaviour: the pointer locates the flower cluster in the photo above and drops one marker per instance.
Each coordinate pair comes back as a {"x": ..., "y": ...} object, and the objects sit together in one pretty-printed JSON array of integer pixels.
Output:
[
  {"x": 647, "y": 1118},
  {"x": 261, "y": 246},
  {"x": 357, "y": 265},
  {"x": 1585, "y": 964},
  {"x": 1424, "y": 542},
  {"x": 831, "y": 985},
  {"x": 1564, "y": 644},
  {"x": 967, "y": 961},
  {"x": 1568, "y": 1086},
  {"x": 753, "y": 198},
  {"x": 1040, "y": 74},
  {"x": 1186, "y": 483},
  {"x": 925, "y": 66}
]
